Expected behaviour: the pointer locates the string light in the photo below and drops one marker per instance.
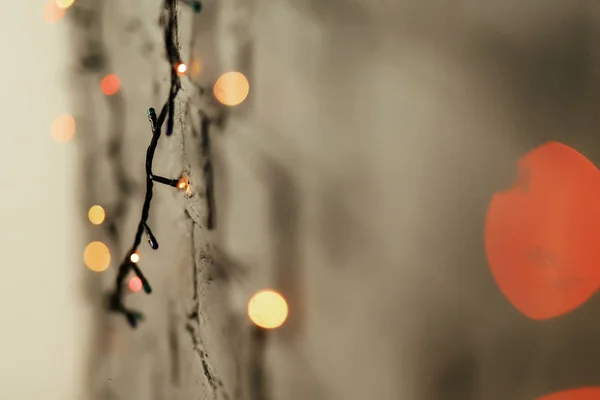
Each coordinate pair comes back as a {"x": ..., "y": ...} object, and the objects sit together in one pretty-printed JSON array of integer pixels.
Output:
[
  {"x": 232, "y": 88},
  {"x": 181, "y": 69},
  {"x": 64, "y": 4},
  {"x": 96, "y": 215},
  {"x": 167, "y": 114},
  {"x": 63, "y": 128},
  {"x": 135, "y": 257},
  {"x": 268, "y": 309},
  {"x": 96, "y": 256},
  {"x": 135, "y": 284},
  {"x": 110, "y": 84},
  {"x": 183, "y": 183}
]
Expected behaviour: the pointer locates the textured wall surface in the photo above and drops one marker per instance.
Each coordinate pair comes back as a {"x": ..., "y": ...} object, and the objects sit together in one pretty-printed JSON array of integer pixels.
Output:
[{"x": 354, "y": 179}]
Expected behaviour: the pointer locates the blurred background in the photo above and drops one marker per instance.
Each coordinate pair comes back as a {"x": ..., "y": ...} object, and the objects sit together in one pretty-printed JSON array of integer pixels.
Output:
[{"x": 413, "y": 185}]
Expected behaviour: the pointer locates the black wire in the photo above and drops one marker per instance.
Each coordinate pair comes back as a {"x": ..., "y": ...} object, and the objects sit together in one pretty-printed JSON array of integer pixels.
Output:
[{"x": 116, "y": 297}]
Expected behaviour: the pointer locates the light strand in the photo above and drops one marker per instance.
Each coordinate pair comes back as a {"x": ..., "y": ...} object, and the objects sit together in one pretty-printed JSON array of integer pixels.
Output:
[{"x": 167, "y": 115}]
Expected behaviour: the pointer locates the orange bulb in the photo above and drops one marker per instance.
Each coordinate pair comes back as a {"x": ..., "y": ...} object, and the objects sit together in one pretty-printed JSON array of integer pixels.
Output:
[
  {"x": 181, "y": 68},
  {"x": 183, "y": 183},
  {"x": 135, "y": 257},
  {"x": 135, "y": 284},
  {"x": 63, "y": 128},
  {"x": 110, "y": 84},
  {"x": 268, "y": 309},
  {"x": 231, "y": 88}
]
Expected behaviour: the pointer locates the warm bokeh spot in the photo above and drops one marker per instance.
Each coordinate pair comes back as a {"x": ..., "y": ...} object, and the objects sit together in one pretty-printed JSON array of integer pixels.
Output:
[
  {"x": 135, "y": 284},
  {"x": 135, "y": 257},
  {"x": 96, "y": 215},
  {"x": 542, "y": 236},
  {"x": 590, "y": 393},
  {"x": 64, "y": 4},
  {"x": 195, "y": 67},
  {"x": 110, "y": 84},
  {"x": 268, "y": 309},
  {"x": 181, "y": 69},
  {"x": 96, "y": 256},
  {"x": 52, "y": 12},
  {"x": 63, "y": 128},
  {"x": 231, "y": 88}
]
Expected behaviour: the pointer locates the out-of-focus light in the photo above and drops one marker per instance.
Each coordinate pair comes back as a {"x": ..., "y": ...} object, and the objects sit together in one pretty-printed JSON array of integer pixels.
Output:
[
  {"x": 135, "y": 257},
  {"x": 195, "y": 67},
  {"x": 135, "y": 284},
  {"x": 183, "y": 183},
  {"x": 63, "y": 128},
  {"x": 96, "y": 256},
  {"x": 96, "y": 215},
  {"x": 268, "y": 309},
  {"x": 64, "y": 4},
  {"x": 110, "y": 84},
  {"x": 52, "y": 12},
  {"x": 181, "y": 69},
  {"x": 231, "y": 88}
]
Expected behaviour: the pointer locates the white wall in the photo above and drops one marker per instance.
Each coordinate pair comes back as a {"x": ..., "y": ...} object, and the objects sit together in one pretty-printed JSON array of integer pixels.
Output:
[{"x": 42, "y": 319}]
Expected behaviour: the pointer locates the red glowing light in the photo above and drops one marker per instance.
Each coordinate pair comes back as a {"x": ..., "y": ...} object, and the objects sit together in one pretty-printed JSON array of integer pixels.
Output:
[
  {"x": 135, "y": 284},
  {"x": 110, "y": 84},
  {"x": 590, "y": 393},
  {"x": 542, "y": 236}
]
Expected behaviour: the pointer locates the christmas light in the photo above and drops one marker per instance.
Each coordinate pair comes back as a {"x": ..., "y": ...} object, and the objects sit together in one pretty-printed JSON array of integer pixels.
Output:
[
  {"x": 267, "y": 309},
  {"x": 183, "y": 183},
  {"x": 64, "y": 4},
  {"x": 135, "y": 284},
  {"x": 96, "y": 215},
  {"x": 167, "y": 114},
  {"x": 63, "y": 128},
  {"x": 231, "y": 89},
  {"x": 135, "y": 257},
  {"x": 110, "y": 84},
  {"x": 96, "y": 256},
  {"x": 181, "y": 69}
]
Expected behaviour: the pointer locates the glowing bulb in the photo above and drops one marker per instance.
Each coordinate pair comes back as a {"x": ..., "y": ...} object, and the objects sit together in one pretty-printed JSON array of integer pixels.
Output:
[
  {"x": 135, "y": 257},
  {"x": 52, "y": 12},
  {"x": 64, "y": 4},
  {"x": 183, "y": 183},
  {"x": 110, "y": 84},
  {"x": 231, "y": 88},
  {"x": 135, "y": 284},
  {"x": 63, "y": 128},
  {"x": 96, "y": 215},
  {"x": 181, "y": 68},
  {"x": 96, "y": 256},
  {"x": 268, "y": 309}
]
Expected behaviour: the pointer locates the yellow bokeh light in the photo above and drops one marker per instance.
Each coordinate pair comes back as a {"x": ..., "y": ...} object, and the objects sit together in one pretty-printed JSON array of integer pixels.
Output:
[
  {"x": 64, "y": 4},
  {"x": 231, "y": 88},
  {"x": 96, "y": 215},
  {"x": 63, "y": 128},
  {"x": 96, "y": 256},
  {"x": 135, "y": 257},
  {"x": 268, "y": 309},
  {"x": 195, "y": 67},
  {"x": 181, "y": 69}
]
